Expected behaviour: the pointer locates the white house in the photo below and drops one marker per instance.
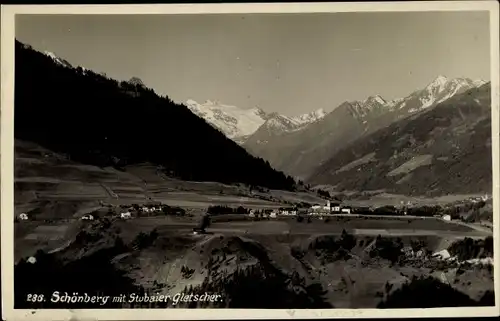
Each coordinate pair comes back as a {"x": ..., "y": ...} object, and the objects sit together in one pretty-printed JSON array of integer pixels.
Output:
[
  {"x": 287, "y": 211},
  {"x": 251, "y": 214},
  {"x": 23, "y": 216},
  {"x": 327, "y": 206},
  {"x": 31, "y": 260},
  {"x": 346, "y": 210},
  {"x": 446, "y": 217},
  {"x": 273, "y": 215},
  {"x": 443, "y": 255},
  {"x": 125, "y": 215},
  {"x": 316, "y": 207},
  {"x": 88, "y": 217}
]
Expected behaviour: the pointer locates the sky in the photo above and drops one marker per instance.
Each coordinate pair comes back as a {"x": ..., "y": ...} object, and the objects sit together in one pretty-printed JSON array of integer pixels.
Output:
[{"x": 286, "y": 63}]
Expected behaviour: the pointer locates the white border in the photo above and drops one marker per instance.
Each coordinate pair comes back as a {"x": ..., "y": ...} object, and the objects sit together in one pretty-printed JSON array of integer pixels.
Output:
[{"x": 7, "y": 168}]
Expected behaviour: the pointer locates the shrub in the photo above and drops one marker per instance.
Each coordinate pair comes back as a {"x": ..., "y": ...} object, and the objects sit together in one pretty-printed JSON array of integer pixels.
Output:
[{"x": 426, "y": 292}]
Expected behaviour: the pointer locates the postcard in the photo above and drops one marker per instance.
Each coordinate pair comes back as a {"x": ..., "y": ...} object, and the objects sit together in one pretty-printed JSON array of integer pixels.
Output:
[{"x": 241, "y": 161}]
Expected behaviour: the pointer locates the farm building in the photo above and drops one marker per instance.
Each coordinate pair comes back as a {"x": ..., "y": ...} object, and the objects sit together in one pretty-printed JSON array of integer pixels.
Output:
[
  {"x": 330, "y": 208},
  {"x": 23, "y": 216},
  {"x": 320, "y": 211},
  {"x": 125, "y": 215},
  {"x": 88, "y": 217},
  {"x": 335, "y": 207},
  {"x": 346, "y": 210},
  {"x": 288, "y": 211}
]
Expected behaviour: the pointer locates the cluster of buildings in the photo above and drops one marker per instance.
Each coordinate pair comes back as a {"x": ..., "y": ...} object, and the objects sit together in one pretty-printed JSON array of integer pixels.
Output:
[
  {"x": 142, "y": 210},
  {"x": 317, "y": 209},
  {"x": 329, "y": 208},
  {"x": 127, "y": 214},
  {"x": 273, "y": 213}
]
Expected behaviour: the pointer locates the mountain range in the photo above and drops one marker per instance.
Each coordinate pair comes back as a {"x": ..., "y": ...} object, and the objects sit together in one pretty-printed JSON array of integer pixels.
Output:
[
  {"x": 95, "y": 120},
  {"x": 417, "y": 145},
  {"x": 238, "y": 124},
  {"x": 300, "y": 152},
  {"x": 440, "y": 151}
]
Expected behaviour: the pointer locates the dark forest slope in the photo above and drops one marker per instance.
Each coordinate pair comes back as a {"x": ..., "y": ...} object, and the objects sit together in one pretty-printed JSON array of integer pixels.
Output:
[
  {"x": 445, "y": 150},
  {"x": 103, "y": 122}
]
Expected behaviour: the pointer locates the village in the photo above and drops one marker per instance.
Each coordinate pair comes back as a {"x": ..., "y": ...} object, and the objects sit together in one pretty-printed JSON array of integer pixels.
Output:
[{"x": 330, "y": 208}]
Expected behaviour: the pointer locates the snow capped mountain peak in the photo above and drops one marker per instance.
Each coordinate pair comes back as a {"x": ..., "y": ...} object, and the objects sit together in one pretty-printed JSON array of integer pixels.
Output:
[
  {"x": 238, "y": 124},
  {"x": 191, "y": 102},
  {"x": 318, "y": 113},
  {"x": 438, "y": 90},
  {"x": 375, "y": 99},
  {"x": 443, "y": 88},
  {"x": 309, "y": 117},
  {"x": 279, "y": 124},
  {"x": 209, "y": 102},
  {"x": 439, "y": 81},
  {"x": 57, "y": 59},
  {"x": 479, "y": 82}
]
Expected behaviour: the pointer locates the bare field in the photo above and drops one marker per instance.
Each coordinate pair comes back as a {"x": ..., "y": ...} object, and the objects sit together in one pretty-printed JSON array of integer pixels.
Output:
[{"x": 44, "y": 176}]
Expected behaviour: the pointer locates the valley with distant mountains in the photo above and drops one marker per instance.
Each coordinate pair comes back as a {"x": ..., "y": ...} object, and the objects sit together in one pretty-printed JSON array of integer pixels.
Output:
[
  {"x": 414, "y": 145},
  {"x": 112, "y": 181}
]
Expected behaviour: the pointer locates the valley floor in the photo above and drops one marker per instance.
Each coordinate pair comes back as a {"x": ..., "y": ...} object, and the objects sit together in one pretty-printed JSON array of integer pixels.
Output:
[{"x": 341, "y": 262}]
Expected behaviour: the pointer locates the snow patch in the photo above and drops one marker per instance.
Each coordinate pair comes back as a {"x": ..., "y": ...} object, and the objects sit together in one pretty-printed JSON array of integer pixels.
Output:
[
  {"x": 231, "y": 120},
  {"x": 57, "y": 59}
]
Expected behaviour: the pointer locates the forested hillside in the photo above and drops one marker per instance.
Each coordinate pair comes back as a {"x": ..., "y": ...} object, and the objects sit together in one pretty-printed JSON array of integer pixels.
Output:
[
  {"x": 103, "y": 122},
  {"x": 445, "y": 150}
]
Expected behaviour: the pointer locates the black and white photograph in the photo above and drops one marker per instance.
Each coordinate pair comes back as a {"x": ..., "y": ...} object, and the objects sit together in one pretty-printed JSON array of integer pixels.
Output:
[{"x": 295, "y": 160}]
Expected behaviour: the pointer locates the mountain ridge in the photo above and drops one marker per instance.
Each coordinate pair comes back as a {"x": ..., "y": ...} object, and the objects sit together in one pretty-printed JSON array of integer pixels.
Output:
[{"x": 442, "y": 150}]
